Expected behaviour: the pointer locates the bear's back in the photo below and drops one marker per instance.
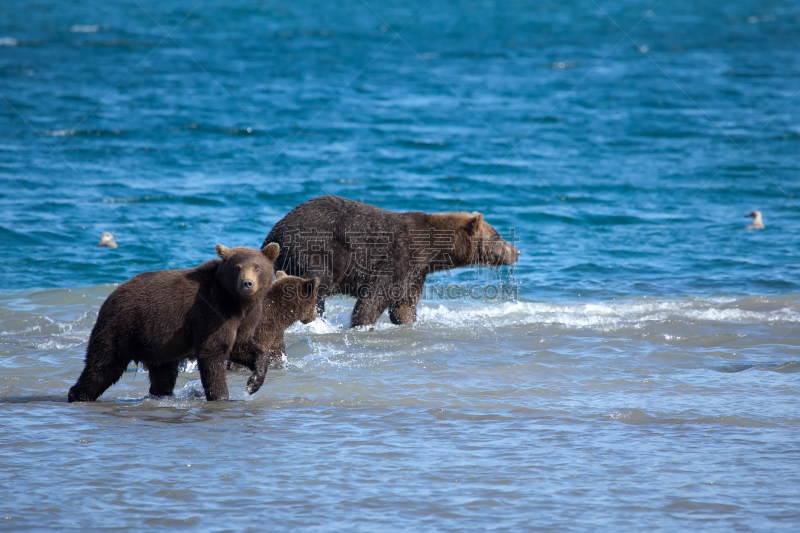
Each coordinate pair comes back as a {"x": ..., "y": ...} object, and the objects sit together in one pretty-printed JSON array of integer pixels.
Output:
[
  {"x": 333, "y": 229},
  {"x": 340, "y": 216},
  {"x": 152, "y": 303}
]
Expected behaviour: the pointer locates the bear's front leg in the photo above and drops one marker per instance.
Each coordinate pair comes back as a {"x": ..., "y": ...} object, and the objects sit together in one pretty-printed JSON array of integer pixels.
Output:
[
  {"x": 212, "y": 375},
  {"x": 367, "y": 311},
  {"x": 403, "y": 313},
  {"x": 260, "y": 373},
  {"x": 276, "y": 352},
  {"x": 242, "y": 354}
]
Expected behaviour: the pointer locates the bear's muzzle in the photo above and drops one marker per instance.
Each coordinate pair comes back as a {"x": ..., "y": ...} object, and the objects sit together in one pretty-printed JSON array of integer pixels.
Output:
[{"x": 246, "y": 286}]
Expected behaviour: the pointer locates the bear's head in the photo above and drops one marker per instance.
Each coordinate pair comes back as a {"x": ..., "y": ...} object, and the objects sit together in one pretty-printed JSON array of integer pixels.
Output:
[
  {"x": 488, "y": 247},
  {"x": 246, "y": 272},
  {"x": 296, "y": 297}
]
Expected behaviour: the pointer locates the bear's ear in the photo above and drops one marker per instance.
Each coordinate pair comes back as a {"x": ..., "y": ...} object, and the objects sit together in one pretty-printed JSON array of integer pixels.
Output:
[
  {"x": 271, "y": 250},
  {"x": 280, "y": 274},
  {"x": 310, "y": 286},
  {"x": 474, "y": 223},
  {"x": 222, "y": 251}
]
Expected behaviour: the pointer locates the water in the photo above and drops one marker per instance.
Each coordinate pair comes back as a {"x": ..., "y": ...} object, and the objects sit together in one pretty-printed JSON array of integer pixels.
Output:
[{"x": 644, "y": 377}]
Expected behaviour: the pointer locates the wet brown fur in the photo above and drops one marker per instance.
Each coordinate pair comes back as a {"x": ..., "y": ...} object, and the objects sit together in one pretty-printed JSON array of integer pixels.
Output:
[
  {"x": 289, "y": 299},
  {"x": 329, "y": 221},
  {"x": 162, "y": 317}
]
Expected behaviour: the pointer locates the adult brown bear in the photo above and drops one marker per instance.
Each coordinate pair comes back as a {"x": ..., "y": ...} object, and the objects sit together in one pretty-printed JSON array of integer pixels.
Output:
[
  {"x": 160, "y": 318},
  {"x": 381, "y": 257}
]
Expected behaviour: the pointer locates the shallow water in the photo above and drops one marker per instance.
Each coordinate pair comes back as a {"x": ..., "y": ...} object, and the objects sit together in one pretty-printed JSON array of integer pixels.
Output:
[
  {"x": 634, "y": 413},
  {"x": 636, "y": 370}
]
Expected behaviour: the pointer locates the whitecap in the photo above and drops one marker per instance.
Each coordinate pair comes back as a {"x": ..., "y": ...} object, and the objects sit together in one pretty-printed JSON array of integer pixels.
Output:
[
  {"x": 604, "y": 316},
  {"x": 601, "y": 316}
]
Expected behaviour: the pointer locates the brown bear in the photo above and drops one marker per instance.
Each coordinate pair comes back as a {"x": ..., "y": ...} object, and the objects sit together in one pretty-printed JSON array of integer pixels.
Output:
[
  {"x": 288, "y": 300},
  {"x": 381, "y": 257},
  {"x": 160, "y": 318}
]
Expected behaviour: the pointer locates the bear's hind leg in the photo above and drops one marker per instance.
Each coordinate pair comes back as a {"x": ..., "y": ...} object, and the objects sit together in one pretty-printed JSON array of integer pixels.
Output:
[
  {"x": 163, "y": 378},
  {"x": 96, "y": 378}
]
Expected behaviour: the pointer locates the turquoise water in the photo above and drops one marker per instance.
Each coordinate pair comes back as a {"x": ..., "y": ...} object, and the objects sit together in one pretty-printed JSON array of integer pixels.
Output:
[{"x": 645, "y": 376}]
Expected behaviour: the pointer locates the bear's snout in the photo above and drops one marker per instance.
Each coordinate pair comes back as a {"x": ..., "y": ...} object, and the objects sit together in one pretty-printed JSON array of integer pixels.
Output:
[
  {"x": 501, "y": 252},
  {"x": 310, "y": 316},
  {"x": 247, "y": 285},
  {"x": 509, "y": 254}
]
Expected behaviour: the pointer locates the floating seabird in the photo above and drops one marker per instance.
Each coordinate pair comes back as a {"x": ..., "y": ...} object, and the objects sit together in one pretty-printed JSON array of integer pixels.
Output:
[
  {"x": 106, "y": 239},
  {"x": 757, "y": 222}
]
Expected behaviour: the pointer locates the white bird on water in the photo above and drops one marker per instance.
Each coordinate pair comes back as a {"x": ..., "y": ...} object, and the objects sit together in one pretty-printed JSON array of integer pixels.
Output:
[
  {"x": 757, "y": 222},
  {"x": 107, "y": 240}
]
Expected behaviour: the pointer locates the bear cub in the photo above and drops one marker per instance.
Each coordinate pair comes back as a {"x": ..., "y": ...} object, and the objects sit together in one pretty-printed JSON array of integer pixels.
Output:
[
  {"x": 288, "y": 300},
  {"x": 159, "y": 318}
]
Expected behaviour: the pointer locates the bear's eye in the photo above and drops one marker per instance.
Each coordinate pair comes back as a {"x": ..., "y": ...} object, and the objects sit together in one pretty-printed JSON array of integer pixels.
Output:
[
  {"x": 238, "y": 267},
  {"x": 256, "y": 268}
]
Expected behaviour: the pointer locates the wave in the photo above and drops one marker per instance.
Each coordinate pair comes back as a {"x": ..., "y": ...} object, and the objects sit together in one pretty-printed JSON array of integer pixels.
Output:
[
  {"x": 622, "y": 313},
  {"x": 603, "y": 316},
  {"x": 39, "y": 332},
  {"x": 63, "y": 319}
]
